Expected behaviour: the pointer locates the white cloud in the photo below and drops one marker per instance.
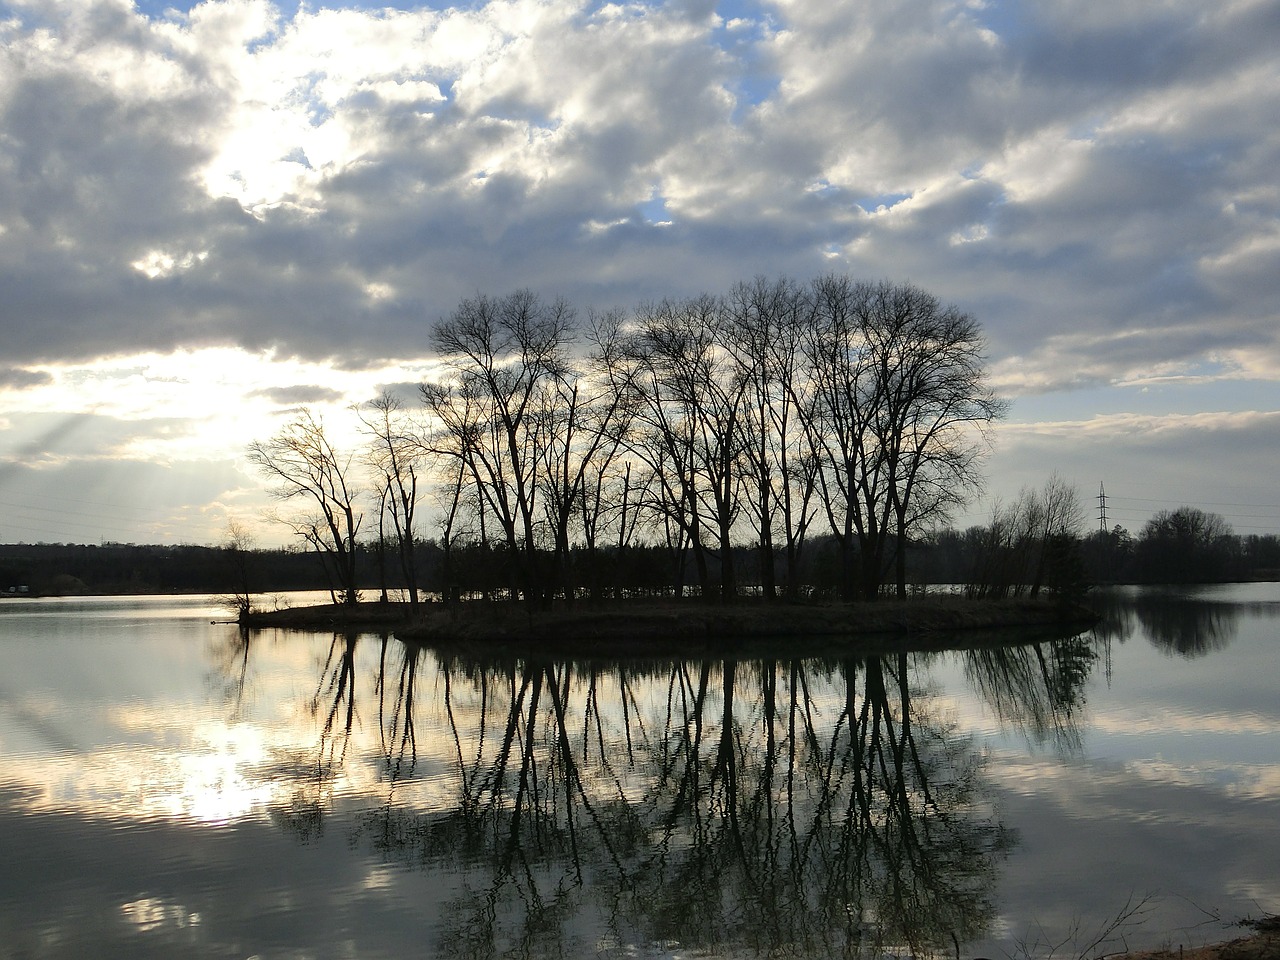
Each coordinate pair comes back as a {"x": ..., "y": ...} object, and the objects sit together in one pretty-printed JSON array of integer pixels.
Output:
[
  {"x": 1095, "y": 183},
  {"x": 158, "y": 263}
]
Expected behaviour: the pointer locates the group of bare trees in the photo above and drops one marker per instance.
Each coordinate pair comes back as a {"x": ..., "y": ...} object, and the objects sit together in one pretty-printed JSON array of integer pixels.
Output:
[
  {"x": 1032, "y": 545},
  {"x": 707, "y": 424}
]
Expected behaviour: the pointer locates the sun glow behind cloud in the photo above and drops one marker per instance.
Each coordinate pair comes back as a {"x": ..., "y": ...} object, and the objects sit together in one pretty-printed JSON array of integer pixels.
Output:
[
  {"x": 148, "y": 428},
  {"x": 223, "y": 396}
]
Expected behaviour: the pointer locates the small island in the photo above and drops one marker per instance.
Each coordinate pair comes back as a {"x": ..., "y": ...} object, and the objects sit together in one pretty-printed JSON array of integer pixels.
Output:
[{"x": 657, "y": 627}]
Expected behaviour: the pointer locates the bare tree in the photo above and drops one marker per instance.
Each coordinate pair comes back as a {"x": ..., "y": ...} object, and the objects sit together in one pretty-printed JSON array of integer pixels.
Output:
[
  {"x": 836, "y": 424},
  {"x": 305, "y": 466},
  {"x": 764, "y": 325},
  {"x": 238, "y": 544},
  {"x": 396, "y": 450},
  {"x": 931, "y": 405},
  {"x": 503, "y": 355},
  {"x": 690, "y": 398},
  {"x": 584, "y": 419},
  {"x": 1062, "y": 522},
  {"x": 662, "y": 439},
  {"x": 451, "y": 500},
  {"x": 901, "y": 406},
  {"x": 1028, "y": 541},
  {"x": 609, "y": 493}
]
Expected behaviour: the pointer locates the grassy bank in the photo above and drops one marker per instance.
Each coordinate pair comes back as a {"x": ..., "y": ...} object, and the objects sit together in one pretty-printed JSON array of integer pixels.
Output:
[{"x": 1262, "y": 944}]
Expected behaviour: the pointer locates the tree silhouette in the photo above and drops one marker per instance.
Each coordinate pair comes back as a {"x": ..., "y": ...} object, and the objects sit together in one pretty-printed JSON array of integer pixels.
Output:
[{"x": 306, "y": 466}]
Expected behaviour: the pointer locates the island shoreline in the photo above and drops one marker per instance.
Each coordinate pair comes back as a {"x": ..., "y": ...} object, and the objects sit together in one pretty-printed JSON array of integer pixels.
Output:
[{"x": 646, "y": 627}]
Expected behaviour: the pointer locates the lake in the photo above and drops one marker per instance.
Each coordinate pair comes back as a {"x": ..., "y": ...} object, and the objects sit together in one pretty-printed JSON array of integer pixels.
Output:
[{"x": 169, "y": 787}]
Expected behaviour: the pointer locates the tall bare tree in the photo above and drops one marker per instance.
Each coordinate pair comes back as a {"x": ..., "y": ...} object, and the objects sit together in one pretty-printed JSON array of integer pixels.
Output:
[
  {"x": 902, "y": 405},
  {"x": 305, "y": 466},
  {"x": 763, "y": 329},
  {"x": 689, "y": 401},
  {"x": 836, "y": 426},
  {"x": 395, "y": 454},
  {"x": 930, "y": 408},
  {"x": 503, "y": 355},
  {"x": 584, "y": 419}
]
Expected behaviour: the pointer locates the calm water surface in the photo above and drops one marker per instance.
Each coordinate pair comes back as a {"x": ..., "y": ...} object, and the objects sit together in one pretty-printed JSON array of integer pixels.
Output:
[{"x": 170, "y": 788}]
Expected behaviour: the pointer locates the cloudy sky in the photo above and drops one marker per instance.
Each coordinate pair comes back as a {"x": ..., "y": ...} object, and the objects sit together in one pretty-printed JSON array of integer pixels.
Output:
[{"x": 212, "y": 213}]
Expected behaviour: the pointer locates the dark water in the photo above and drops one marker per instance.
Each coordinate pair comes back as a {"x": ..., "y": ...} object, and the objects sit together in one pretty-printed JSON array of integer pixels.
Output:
[{"x": 171, "y": 789}]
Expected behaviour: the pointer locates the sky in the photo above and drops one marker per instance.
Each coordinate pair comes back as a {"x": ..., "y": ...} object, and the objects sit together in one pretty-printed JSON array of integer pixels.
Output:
[{"x": 212, "y": 214}]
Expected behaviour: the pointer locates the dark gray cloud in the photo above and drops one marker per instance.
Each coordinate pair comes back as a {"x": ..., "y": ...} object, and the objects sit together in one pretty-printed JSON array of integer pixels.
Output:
[
  {"x": 19, "y": 378},
  {"x": 301, "y": 394}
]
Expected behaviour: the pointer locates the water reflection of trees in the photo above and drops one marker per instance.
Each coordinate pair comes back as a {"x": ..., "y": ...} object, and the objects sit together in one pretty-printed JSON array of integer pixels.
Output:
[
  {"x": 1188, "y": 626},
  {"x": 336, "y": 696},
  {"x": 1037, "y": 687},
  {"x": 310, "y": 776},
  {"x": 230, "y": 655},
  {"x": 786, "y": 807},
  {"x": 775, "y": 807}
]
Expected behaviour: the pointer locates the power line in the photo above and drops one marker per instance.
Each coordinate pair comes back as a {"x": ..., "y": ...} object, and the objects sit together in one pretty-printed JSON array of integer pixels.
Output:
[
  {"x": 114, "y": 508},
  {"x": 62, "y": 512},
  {"x": 45, "y": 523},
  {"x": 1202, "y": 503},
  {"x": 1131, "y": 512}
]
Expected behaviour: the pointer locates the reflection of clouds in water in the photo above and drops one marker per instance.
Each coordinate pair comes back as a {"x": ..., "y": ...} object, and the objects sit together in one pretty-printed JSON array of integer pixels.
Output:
[
  {"x": 1169, "y": 719},
  {"x": 1154, "y": 798},
  {"x": 33, "y": 724},
  {"x": 143, "y": 784},
  {"x": 1054, "y": 782},
  {"x": 1232, "y": 780},
  {"x": 1260, "y": 782},
  {"x": 1146, "y": 828},
  {"x": 145, "y": 759},
  {"x": 149, "y": 914},
  {"x": 207, "y": 773},
  {"x": 1179, "y": 764},
  {"x": 79, "y": 886},
  {"x": 1267, "y": 895},
  {"x": 254, "y": 819}
]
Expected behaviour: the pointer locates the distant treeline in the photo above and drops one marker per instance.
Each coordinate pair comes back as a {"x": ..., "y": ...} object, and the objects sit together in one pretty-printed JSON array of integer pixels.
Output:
[
  {"x": 1182, "y": 546},
  {"x": 1038, "y": 543},
  {"x": 57, "y": 569}
]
